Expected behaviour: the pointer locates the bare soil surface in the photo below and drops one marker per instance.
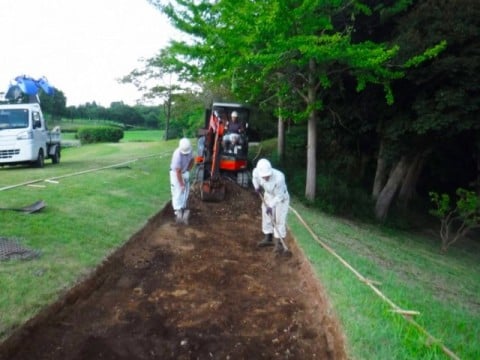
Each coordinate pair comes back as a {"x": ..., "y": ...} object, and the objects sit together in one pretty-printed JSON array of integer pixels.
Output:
[{"x": 202, "y": 291}]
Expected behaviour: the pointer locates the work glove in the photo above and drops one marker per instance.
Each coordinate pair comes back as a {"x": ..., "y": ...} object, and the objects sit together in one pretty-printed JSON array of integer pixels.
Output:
[
  {"x": 259, "y": 190},
  {"x": 269, "y": 211}
]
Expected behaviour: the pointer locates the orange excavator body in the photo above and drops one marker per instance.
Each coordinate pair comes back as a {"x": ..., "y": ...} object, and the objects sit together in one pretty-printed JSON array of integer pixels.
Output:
[{"x": 215, "y": 162}]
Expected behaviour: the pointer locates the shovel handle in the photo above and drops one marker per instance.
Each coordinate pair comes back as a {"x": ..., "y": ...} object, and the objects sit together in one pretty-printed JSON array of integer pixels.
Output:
[{"x": 282, "y": 241}]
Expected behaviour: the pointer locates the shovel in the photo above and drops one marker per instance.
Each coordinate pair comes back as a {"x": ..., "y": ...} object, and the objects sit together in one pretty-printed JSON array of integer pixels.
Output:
[
  {"x": 184, "y": 213},
  {"x": 37, "y": 206},
  {"x": 286, "y": 251}
]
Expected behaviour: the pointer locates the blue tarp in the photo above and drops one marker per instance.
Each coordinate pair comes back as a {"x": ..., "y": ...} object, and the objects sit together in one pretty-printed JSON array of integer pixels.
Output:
[
  {"x": 28, "y": 86},
  {"x": 46, "y": 87}
]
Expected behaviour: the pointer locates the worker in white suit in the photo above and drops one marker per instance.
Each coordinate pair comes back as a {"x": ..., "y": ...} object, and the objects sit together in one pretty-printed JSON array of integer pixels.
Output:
[
  {"x": 180, "y": 166},
  {"x": 270, "y": 184}
]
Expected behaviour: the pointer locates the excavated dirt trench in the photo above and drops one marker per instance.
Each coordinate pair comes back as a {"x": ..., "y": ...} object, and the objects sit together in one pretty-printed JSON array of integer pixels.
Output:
[{"x": 202, "y": 291}]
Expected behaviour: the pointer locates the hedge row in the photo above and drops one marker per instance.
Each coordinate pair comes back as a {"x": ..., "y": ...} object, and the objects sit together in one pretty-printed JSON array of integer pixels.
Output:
[{"x": 90, "y": 135}]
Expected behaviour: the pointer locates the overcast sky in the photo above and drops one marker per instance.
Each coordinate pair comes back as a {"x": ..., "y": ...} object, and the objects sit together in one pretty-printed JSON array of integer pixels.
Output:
[{"x": 80, "y": 46}]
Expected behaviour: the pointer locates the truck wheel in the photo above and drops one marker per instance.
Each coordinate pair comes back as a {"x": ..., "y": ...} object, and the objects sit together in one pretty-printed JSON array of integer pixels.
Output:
[
  {"x": 56, "y": 156},
  {"x": 40, "y": 162}
]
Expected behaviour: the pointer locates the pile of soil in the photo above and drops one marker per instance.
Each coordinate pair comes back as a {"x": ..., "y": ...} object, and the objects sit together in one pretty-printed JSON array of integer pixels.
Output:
[{"x": 202, "y": 291}]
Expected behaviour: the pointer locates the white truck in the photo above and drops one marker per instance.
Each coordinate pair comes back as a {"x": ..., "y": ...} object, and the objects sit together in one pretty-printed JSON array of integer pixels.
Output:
[{"x": 24, "y": 137}]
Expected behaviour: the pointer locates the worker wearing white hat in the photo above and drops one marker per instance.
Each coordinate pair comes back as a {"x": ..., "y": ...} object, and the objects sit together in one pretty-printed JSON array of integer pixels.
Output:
[
  {"x": 275, "y": 203},
  {"x": 182, "y": 162}
]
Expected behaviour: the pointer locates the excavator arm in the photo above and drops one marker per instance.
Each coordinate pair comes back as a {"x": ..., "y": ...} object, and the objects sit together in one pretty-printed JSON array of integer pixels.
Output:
[{"x": 213, "y": 188}]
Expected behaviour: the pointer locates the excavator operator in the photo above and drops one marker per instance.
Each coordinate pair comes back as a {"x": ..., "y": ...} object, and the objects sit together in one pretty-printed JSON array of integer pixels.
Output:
[{"x": 234, "y": 130}]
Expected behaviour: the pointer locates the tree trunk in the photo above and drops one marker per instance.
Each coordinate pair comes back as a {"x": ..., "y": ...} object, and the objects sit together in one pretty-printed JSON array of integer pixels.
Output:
[
  {"x": 168, "y": 112},
  {"x": 310, "y": 185},
  {"x": 380, "y": 173},
  {"x": 409, "y": 184},
  {"x": 281, "y": 134},
  {"x": 386, "y": 196}
]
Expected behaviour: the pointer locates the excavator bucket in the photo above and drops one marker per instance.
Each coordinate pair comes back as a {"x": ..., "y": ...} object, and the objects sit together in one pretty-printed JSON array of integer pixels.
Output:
[{"x": 212, "y": 191}]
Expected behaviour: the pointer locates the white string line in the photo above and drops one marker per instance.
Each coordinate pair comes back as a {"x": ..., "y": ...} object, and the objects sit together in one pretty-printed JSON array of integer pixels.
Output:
[
  {"x": 79, "y": 172},
  {"x": 406, "y": 314}
]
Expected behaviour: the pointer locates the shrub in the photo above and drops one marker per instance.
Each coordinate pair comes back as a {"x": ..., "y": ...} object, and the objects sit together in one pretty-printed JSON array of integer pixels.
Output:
[
  {"x": 90, "y": 135},
  {"x": 456, "y": 220}
]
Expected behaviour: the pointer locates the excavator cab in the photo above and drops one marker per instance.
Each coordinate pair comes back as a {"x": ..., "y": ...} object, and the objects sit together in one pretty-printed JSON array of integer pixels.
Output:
[{"x": 222, "y": 150}]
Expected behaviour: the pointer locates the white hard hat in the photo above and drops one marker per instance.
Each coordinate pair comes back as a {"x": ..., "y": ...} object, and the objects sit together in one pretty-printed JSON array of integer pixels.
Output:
[
  {"x": 234, "y": 114},
  {"x": 264, "y": 168},
  {"x": 185, "y": 146}
]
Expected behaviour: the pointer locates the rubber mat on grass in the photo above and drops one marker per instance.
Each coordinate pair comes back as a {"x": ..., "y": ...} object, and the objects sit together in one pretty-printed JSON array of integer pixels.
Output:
[{"x": 11, "y": 249}]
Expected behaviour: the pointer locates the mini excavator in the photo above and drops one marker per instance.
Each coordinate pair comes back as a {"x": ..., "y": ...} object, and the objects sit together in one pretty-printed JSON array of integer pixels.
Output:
[{"x": 217, "y": 161}]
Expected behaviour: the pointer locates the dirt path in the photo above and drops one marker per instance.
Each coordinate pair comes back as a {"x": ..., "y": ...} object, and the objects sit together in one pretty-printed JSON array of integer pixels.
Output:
[{"x": 198, "y": 292}]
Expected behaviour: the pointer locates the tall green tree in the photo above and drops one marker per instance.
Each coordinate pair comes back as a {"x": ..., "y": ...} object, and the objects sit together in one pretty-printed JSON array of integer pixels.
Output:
[
  {"x": 55, "y": 104},
  {"x": 281, "y": 47},
  {"x": 439, "y": 97},
  {"x": 161, "y": 78}
]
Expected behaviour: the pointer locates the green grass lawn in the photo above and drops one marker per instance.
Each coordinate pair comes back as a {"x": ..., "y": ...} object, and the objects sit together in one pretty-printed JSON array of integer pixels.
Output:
[
  {"x": 128, "y": 136},
  {"x": 141, "y": 135},
  {"x": 87, "y": 216},
  {"x": 411, "y": 273},
  {"x": 91, "y": 213}
]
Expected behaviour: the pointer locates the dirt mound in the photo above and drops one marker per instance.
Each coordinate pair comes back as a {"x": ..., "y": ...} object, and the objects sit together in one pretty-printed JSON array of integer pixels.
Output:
[{"x": 202, "y": 291}]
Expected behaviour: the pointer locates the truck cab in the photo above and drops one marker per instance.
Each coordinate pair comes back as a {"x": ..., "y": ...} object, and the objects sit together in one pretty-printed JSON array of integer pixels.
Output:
[{"x": 24, "y": 137}]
